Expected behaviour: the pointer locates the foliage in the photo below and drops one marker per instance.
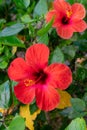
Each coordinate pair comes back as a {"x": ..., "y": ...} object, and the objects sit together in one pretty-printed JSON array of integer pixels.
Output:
[{"x": 22, "y": 24}]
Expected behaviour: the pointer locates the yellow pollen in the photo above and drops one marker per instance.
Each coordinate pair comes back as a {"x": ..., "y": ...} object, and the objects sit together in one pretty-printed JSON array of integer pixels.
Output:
[
  {"x": 69, "y": 13},
  {"x": 28, "y": 82}
]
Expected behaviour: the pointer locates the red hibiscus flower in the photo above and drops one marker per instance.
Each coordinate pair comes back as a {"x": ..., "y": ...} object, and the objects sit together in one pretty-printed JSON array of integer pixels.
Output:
[
  {"x": 67, "y": 18},
  {"x": 38, "y": 80}
]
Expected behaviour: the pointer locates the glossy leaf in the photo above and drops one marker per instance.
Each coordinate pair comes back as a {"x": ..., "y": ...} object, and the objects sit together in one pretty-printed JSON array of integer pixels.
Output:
[
  {"x": 4, "y": 95},
  {"x": 11, "y": 41},
  {"x": 78, "y": 104},
  {"x": 41, "y": 7},
  {"x": 12, "y": 30},
  {"x": 17, "y": 123},
  {"x": 77, "y": 124}
]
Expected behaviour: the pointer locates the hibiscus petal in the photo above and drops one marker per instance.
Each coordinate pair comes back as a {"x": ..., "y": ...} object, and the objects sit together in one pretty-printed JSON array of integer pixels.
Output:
[
  {"x": 24, "y": 94},
  {"x": 50, "y": 15},
  {"x": 18, "y": 69},
  {"x": 61, "y": 5},
  {"x": 65, "y": 32},
  {"x": 79, "y": 26},
  {"x": 78, "y": 11},
  {"x": 60, "y": 75},
  {"x": 57, "y": 18},
  {"x": 47, "y": 97},
  {"x": 37, "y": 56}
]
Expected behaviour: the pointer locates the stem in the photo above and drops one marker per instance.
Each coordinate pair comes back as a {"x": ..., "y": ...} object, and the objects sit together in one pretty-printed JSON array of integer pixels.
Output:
[{"x": 47, "y": 117}]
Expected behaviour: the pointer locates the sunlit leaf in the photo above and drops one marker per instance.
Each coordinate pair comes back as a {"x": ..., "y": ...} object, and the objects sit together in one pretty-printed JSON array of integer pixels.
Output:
[
  {"x": 64, "y": 99},
  {"x": 25, "y": 113},
  {"x": 11, "y": 41},
  {"x": 3, "y": 64},
  {"x": 17, "y": 123},
  {"x": 77, "y": 124}
]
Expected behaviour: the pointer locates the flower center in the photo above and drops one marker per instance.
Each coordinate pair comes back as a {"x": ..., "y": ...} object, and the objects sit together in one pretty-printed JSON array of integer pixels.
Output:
[
  {"x": 28, "y": 82},
  {"x": 66, "y": 19},
  {"x": 41, "y": 76}
]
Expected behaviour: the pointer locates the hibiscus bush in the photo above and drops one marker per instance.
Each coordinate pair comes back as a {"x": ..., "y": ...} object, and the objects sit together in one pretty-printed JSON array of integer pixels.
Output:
[{"x": 43, "y": 64}]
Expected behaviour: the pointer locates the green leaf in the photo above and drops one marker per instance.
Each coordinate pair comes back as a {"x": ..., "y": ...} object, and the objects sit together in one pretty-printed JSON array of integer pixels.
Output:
[
  {"x": 2, "y": 21},
  {"x": 71, "y": 1},
  {"x": 26, "y": 3},
  {"x": 81, "y": 73},
  {"x": 17, "y": 123},
  {"x": 11, "y": 41},
  {"x": 3, "y": 64},
  {"x": 33, "y": 108},
  {"x": 4, "y": 95},
  {"x": 56, "y": 56},
  {"x": 77, "y": 124},
  {"x": 1, "y": 1},
  {"x": 85, "y": 98},
  {"x": 43, "y": 39},
  {"x": 12, "y": 30},
  {"x": 78, "y": 104},
  {"x": 26, "y": 18},
  {"x": 69, "y": 51},
  {"x": 22, "y": 3},
  {"x": 45, "y": 29},
  {"x": 1, "y": 49},
  {"x": 41, "y": 8}
]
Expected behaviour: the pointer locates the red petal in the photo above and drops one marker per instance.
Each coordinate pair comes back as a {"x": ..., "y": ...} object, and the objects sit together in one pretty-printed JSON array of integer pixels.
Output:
[
  {"x": 57, "y": 17},
  {"x": 18, "y": 69},
  {"x": 50, "y": 15},
  {"x": 60, "y": 75},
  {"x": 65, "y": 32},
  {"x": 61, "y": 5},
  {"x": 47, "y": 98},
  {"x": 79, "y": 26},
  {"x": 24, "y": 93},
  {"x": 78, "y": 11},
  {"x": 37, "y": 56}
]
